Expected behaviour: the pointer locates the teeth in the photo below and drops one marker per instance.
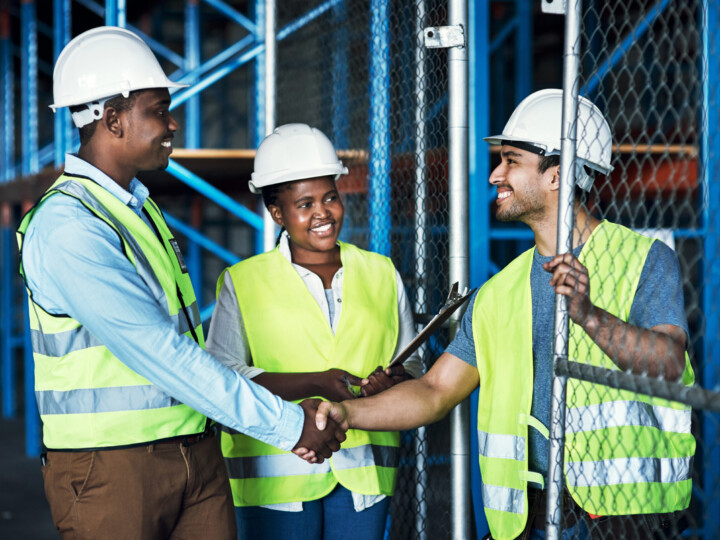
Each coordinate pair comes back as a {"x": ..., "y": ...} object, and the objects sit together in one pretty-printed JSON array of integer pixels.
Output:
[
  {"x": 504, "y": 194},
  {"x": 322, "y": 228},
  {"x": 167, "y": 144}
]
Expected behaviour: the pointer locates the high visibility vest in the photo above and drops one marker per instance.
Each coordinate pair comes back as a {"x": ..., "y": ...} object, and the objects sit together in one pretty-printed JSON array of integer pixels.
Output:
[
  {"x": 625, "y": 453},
  {"x": 287, "y": 332},
  {"x": 87, "y": 398}
]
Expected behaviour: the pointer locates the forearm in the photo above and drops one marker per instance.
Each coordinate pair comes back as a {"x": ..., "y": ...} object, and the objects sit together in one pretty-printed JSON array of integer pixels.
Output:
[
  {"x": 290, "y": 386},
  {"x": 639, "y": 350}
]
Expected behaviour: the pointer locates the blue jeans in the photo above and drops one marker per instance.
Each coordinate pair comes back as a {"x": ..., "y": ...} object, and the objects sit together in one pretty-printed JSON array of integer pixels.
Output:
[{"x": 331, "y": 518}]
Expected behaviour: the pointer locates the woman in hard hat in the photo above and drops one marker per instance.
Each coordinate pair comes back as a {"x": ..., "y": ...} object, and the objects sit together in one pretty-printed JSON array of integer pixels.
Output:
[{"x": 313, "y": 317}]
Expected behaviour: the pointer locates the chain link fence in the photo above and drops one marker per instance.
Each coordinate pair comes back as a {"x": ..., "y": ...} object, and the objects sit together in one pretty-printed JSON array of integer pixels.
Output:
[
  {"x": 633, "y": 444},
  {"x": 361, "y": 74}
]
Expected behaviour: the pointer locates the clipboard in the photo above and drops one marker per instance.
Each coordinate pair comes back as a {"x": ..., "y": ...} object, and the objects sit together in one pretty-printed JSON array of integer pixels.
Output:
[{"x": 454, "y": 301}]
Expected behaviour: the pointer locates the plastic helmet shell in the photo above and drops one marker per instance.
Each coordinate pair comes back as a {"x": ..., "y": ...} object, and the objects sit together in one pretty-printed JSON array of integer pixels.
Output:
[
  {"x": 294, "y": 152},
  {"x": 105, "y": 62},
  {"x": 537, "y": 121}
]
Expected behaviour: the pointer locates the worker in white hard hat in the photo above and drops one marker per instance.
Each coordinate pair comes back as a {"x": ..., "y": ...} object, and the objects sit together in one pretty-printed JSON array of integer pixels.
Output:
[
  {"x": 627, "y": 470},
  {"x": 124, "y": 388},
  {"x": 313, "y": 317}
]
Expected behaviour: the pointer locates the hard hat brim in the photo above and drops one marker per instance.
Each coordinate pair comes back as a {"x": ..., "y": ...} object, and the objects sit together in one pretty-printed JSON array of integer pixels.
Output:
[{"x": 101, "y": 95}]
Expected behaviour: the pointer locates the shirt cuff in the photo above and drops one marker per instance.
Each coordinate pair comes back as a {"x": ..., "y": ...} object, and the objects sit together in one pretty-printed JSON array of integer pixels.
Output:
[{"x": 291, "y": 426}]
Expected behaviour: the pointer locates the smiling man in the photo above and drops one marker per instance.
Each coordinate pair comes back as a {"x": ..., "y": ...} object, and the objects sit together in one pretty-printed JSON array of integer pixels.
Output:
[
  {"x": 124, "y": 387},
  {"x": 627, "y": 458}
]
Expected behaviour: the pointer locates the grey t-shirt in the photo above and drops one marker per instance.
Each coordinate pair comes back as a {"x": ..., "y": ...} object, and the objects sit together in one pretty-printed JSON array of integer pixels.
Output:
[{"x": 658, "y": 300}]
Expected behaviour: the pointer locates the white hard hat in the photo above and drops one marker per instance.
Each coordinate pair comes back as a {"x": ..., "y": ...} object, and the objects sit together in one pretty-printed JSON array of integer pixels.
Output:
[
  {"x": 102, "y": 63},
  {"x": 294, "y": 152},
  {"x": 536, "y": 125}
]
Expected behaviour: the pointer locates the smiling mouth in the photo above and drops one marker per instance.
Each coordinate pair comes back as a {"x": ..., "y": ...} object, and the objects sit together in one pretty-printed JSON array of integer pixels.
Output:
[
  {"x": 503, "y": 195},
  {"x": 325, "y": 227},
  {"x": 167, "y": 144}
]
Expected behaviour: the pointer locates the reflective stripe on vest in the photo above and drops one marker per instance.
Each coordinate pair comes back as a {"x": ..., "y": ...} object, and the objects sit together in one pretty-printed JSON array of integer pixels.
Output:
[
  {"x": 87, "y": 398},
  {"x": 658, "y": 444},
  {"x": 287, "y": 332}
]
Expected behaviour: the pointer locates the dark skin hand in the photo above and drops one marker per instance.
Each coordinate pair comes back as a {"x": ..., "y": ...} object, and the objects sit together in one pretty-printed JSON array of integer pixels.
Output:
[
  {"x": 657, "y": 351},
  {"x": 315, "y": 445},
  {"x": 329, "y": 384},
  {"x": 382, "y": 379}
]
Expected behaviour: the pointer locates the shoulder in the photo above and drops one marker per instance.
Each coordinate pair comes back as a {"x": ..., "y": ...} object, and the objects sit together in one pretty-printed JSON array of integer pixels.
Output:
[
  {"x": 367, "y": 257},
  {"x": 508, "y": 279}
]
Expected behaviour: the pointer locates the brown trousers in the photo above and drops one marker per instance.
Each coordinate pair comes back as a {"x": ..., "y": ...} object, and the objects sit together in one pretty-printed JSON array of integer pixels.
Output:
[{"x": 160, "y": 491}]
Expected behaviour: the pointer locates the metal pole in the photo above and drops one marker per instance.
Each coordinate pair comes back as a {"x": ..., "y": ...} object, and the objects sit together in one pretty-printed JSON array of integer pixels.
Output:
[
  {"x": 7, "y": 260},
  {"x": 711, "y": 249},
  {"x": 339, "y": 74},
  {"x": 192, "y": 61},
  {"x": 379, "y": 171},
  {"x": 61, "y": 118},
  {"x": 28, "y": 67},
  {"x": 115, "y": 13},
  {"x": 269, "y": 227},
  {"x": 566, "y": 198},
  {"x": 7, "y": 97},
  {"x": 478, "y": 197},
  {"x": 523, "y": 50},
  {"x": 258, "y": 128},
  {"x": 458, "y": 251},
  {"x": 421, "y": 255}
]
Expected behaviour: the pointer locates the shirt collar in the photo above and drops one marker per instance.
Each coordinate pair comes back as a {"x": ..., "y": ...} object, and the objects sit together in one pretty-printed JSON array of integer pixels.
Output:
[
  {"x": 135, "y": 198},
  {"x": 284, "y": 249}
]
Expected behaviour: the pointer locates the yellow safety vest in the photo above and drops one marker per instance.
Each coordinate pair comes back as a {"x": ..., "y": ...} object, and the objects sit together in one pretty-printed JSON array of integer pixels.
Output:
[
  {"x": 287, "y": 332},
  {"x": 625, "y": 453},
  {"x": 87, "y": 398}
]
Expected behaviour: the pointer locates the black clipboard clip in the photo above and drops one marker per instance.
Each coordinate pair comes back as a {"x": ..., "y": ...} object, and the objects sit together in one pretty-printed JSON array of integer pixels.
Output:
[{"x": 454, "y": 301}]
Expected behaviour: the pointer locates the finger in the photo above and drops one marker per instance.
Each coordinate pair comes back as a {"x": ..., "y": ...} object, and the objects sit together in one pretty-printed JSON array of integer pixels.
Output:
[
  {"x": 355, "y": 381},
  {"x": 302, "y": 452},
  {"x": 398, "y": 370}
]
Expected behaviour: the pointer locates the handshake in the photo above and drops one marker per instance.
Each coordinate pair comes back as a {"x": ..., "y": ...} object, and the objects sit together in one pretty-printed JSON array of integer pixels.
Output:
[{"x": 317, "y": 443}]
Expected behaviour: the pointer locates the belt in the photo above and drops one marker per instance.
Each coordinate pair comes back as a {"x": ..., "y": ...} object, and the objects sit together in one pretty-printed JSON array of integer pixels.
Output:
[{"x": 186, "y": 440}]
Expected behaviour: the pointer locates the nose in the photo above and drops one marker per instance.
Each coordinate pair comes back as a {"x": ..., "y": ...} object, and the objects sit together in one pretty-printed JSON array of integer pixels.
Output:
[
  {"x": 172, "y": 123},
  {"x": 498, "y": 174}
]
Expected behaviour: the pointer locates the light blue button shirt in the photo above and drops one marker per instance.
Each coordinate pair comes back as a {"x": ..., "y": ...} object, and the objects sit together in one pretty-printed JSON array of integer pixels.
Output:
[{"x": 75, "y": 265}]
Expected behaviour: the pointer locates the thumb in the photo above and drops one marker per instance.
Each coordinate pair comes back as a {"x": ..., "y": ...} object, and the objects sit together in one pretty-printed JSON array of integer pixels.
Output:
[{"x": 321, "y": 414}]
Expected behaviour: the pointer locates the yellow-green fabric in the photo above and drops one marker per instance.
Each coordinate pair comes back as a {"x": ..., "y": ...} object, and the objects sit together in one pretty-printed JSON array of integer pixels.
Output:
[
  {"x": 287, "y": 332},
  {"x": 604, "y": 474},
  {"x": 87, "y": 398}
]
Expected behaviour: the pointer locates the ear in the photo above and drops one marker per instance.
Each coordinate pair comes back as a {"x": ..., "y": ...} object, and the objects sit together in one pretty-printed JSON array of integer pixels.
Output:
[
  {"x": 113, "y": 122},
  {"x": 553, "y": 177},
  {"x": 276, "y": 214}
]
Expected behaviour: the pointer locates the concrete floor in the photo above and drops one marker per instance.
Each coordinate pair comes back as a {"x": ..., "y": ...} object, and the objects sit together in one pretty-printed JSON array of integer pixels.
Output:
[{"x": 24, "y": 512}]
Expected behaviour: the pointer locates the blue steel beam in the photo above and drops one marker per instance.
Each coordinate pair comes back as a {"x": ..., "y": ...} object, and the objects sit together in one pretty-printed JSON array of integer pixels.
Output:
[
  {"x": 633, "y": 36},
  {"x": 115, "y": 13},
  {"x": 478, "y": 204},
  {"x": 29, "y": 109},
  {"x": 7, "y": 360},
  {"x": 61, "y": 118},
  {"x": 503, "y": 34},
  {"x": 340, "y": 77},
  {"x": 93, "y": 7},
  {"x": 192, "y": 61},
  {"x": 7, "y": 99},
  {"x": 379, "y": 191},
  {"x": 710, "y": 143},
  {"x": 257, "y": 128},
  {"x": 214, "y": 194},
  {"x": 301, "y": 21},
  {"x": 234, "y": 15},
  {"x": 523, "y": 50},
  {"x": 182, "y": 76},
  {"x": 158, "y": 48},
  {"x": 192, "y": 234}
]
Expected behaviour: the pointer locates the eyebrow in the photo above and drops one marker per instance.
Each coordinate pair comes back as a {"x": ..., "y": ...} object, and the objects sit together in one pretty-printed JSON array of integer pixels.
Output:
[{"x": 510, "y": 153}]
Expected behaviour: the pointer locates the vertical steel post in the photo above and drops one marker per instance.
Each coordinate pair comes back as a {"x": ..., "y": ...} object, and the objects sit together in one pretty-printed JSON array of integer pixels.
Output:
[
  {"x": 478, "y": 196},
  {"x": 61, "y": 118},
  {"x": 115, "y": 13},
  {"x": 7, "y": 97},
  {"x": 269, "y": 228},
  {"x": 711, "y": 262},
  {"x": 420, "y": 248},
  {"x": 28, "y": 70},
  {"x": 379, "y": 192},
  {"x": 339, "y": 73},
  {"x": 523, "y": 50},
  {"x": 458, "y": 251},
  {"x": 192, "y": 61},
  {"x": 566, "y": 198},
  {"x": 7, "y": 363},
  {"x": 259, "y": 107}
]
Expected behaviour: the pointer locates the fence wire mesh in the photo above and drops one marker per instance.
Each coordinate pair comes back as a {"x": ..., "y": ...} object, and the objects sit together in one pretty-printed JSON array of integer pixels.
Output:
[
  {"x": 360, "y": 73},
  {"x": 649, "y": 68}
]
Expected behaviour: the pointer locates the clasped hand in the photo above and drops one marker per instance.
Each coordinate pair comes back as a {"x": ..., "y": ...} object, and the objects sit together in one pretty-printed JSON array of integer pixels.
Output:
[{"x": 570, "y": 278}]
